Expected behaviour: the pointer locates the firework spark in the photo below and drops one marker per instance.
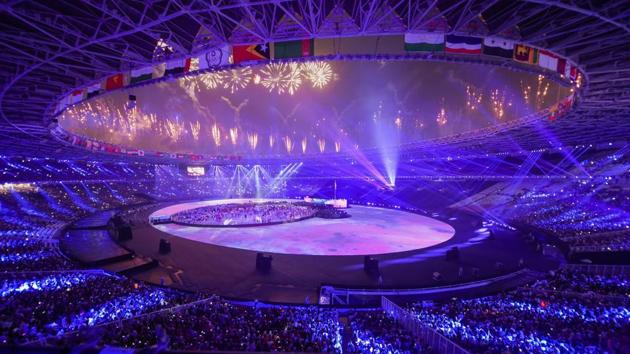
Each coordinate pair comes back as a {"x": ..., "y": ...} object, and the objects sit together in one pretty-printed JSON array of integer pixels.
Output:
[
  {"x": 281, "y": 77},
  {"x": 526, "y": 90},
  {"x": 497, "y": 101},
  {"x": 473, "y": 98},
  {"x": 272, "y": 141},
  {"x": 173, "y": 129},
  {"x": 319, "y": 73},
  {"x": 234, "y": 135},
  {"x": 195, "y": 129},
  {"x": 304, "y": 142},
  {"x": 542, "y": 88},
  {"x": 321, "y": 143},
  {"x": 252, "y": 139},
  {"x": 441, "y": 116},
  {"x": 288, "y": 144},
  {"x": 237, "y": 79},
  {"x": 216, "y": 135},
  {"x": 210, "y": 80}
]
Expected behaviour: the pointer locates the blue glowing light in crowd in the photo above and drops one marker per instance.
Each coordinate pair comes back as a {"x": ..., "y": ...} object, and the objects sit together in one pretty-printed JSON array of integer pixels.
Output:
[
  {"x": 120, "y": 308},
  {"x": 46, "y": 283}
]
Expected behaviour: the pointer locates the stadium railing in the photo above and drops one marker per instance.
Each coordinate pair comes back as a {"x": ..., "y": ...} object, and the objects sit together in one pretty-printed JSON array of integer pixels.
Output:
[{"x": 427, "y": 335}]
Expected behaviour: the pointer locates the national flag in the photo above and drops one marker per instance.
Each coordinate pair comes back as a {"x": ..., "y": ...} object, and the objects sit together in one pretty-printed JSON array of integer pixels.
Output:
[
  {"x": 562, "y": 64},
  {"x": 158, "y": 71},
  {"x": 142, "y": 74},
  {"x": 76, "y": 96},
  {"x": 215, "y": 57},
  {"x": 567, "y": 70},
  {"x": 424, "y": 42},
  {"x": 115, "y": 82},
  {"x": 94, "y": 89},
  {"x": 463, "y": 44},
  {"x": 294, "y": 49},
  {"x": 177, "y": 66},
  {"x": 135, "y": 152},
  {"x": 241, "y": 53},
  {"x": 498, "y": 47},
  {"x": 525, "y": 54},
  {"x": 548, "y": 60},
  {"x": 573, "y": 74}
]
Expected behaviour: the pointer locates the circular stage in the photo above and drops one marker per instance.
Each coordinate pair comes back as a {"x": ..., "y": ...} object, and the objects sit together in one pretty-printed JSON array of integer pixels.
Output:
[{"x": 369, "y": 231}]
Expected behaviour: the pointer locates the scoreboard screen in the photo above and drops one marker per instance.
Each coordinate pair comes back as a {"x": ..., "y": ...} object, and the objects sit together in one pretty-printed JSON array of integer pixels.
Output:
[{"x": 196, "y": 171}]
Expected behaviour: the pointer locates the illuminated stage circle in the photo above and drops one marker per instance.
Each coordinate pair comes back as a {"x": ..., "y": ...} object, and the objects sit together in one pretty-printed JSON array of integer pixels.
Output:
[{"x": 369, "y": 231}]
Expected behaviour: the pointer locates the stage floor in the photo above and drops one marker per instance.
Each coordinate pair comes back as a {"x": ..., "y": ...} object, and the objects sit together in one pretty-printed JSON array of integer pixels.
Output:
[{"x": 369, "y": 231}]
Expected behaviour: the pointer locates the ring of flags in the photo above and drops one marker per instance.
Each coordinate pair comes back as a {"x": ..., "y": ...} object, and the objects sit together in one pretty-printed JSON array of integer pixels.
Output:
[{"x": 433, "y": 42}]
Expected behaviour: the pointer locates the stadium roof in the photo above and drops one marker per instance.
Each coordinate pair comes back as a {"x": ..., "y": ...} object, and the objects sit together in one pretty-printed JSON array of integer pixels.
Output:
[{"x": 50, "y": 47}]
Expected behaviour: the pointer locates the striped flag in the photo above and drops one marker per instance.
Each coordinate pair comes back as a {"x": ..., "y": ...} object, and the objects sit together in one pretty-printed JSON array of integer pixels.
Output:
[
  {"x": 76, "y": 96},
  {"x": 94, "y": 89},
  {"x": 567, "y": 71},
  {"x": 142, "y": 74},
  {"x": 463, "y": 44},
  {"x": 498, "y": 47},
  {"x": 573, "y": 74},
  {"x": 562, "y": 64},
  {"x": 177, "y": 66},
  {"x": 135, "y": 152},
  {"x": 424, "y": 42}
]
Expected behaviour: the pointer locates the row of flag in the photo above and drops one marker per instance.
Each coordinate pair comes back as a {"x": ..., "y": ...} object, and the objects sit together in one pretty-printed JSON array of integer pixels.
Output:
[
  {"x": 497, "y": 47},
  {"x": 238, "y": 54},
  {"x": 96, "y": 145}
]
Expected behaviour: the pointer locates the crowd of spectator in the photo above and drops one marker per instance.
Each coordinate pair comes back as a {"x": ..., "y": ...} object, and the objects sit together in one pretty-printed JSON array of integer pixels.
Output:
[
  {"x": 375, "y": 332},
  {"x": 568, "y": 280},
  {"x": 216, "y": 324},
  {"x": 23, "y": 253},
  {"x": 550, "y": 316},
  {"x": 50, "y": 169},
  {"x": 588, "y": 212},
  {"x": 42, "y": 299},
  {"x": 34, "y": 307},
  {"x": 250, "y": 213}
]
